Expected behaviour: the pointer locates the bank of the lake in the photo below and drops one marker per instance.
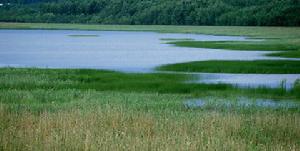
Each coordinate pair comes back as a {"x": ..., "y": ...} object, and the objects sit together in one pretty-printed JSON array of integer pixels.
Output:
[
  {"x": 287, "y": 48},
  {"x": 254, "y": 32},
  {"x": 238, "y": 45}
]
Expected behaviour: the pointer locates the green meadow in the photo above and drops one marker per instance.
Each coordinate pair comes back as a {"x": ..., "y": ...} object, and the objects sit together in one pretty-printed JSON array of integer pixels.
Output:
[
  {"x": 235, "y": 45},
  {"x": 218, "y": 66},
  {"x": 80, "y": 109},
  {"x": 287, "y": 48}
]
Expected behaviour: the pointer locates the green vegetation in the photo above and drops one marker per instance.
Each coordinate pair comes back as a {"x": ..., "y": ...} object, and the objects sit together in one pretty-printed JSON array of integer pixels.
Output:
[
  {"x": 167, "y": 12},
  {"x": 83, "y": 79},
  {"x": 290, "y": 46},
  {"x": 79, "y": 109},
  {"x": 236, "y": 45},
  {"x": 176, "y": 39},
  {"x": 290, "y": 54},
  {"x": 91, "y": 120},
  {"x": 291, "y": 34},
  {"x": 259, "y": 66},
  {"x": 30, "y": 79},
  {"x": 83, "y": 35}
]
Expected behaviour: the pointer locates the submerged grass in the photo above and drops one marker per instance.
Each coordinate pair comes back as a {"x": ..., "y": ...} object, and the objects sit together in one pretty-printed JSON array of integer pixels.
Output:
[{"x": 217, "y": 66}]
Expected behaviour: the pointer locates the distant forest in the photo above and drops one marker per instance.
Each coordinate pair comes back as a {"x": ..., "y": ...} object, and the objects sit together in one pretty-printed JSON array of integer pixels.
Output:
[{"x": 154, "y": 12}]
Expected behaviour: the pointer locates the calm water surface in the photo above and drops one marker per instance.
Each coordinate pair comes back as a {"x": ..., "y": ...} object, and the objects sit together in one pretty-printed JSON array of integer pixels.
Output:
[
  {"x": 242, "y": 102},
  {"x": 116, "y": 50}
]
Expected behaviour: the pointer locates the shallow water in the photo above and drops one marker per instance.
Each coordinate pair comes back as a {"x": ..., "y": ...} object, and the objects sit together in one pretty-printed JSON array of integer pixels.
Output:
[
  {"x": 118, "y": 50},
  {"x": 286, "y": 81},
  {"x": 250, "y": 80},
  {"x": 242, "y": 102}
]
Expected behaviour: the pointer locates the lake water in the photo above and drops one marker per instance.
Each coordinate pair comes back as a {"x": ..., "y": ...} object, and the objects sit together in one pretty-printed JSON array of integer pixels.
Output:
[
  {"x": 250, "y": 80},
  {"x": 119, "y": 50},
  {"x": 241, "y": 102}
]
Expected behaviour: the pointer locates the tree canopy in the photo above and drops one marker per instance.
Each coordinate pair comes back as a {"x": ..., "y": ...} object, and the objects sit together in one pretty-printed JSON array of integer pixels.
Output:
[{"x": 154, "y": 12}]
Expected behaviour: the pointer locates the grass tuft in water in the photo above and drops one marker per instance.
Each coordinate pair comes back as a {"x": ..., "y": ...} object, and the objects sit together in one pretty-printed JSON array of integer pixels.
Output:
[
  {"x": 79, "y": 36},
  {"x": 236, "y": 45}
]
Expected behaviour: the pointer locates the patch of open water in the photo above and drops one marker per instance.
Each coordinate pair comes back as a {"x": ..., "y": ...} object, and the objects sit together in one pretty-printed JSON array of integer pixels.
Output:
[{"x": 242, "y": 102}]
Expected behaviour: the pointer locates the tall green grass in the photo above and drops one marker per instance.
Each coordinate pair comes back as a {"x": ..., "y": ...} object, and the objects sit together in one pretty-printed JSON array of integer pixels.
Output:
[
  {"x": 289, "y": 54},
  {"x": 26, "y": 79},
  {"x": 92, "y": 120},
  {"x": 235, "y": 45},
  {"x": 84, "y": 79},
  {"x": 258, "y": 66},
  {"x": 80, "y": 109}
]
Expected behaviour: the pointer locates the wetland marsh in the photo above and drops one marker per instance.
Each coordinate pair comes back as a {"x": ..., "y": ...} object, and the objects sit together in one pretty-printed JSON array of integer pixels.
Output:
[
  {"x": 103, "y": 90},
  {"x": 132, "y": 52}
]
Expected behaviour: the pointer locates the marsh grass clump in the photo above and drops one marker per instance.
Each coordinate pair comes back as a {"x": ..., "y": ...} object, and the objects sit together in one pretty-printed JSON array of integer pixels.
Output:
[
  {"x": 237, "y": 45},
  {"x": 233, "y": 66},
  {"x": 79, "y": 36},
  {"x": 296, "y": 89},
  {"x": 176, "y": 39}
]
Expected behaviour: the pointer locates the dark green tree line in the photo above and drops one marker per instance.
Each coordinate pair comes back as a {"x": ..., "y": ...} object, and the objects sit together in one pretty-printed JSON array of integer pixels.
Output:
[{"x": 157, "y": 12}]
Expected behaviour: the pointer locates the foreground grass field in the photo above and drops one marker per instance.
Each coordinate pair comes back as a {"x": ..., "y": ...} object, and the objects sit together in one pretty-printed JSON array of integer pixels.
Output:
[
  {"x": 276, "y": 38},
  {"x": 259, "y": 66},
  {"x": 91, "y": 120},
  {"x": 46, "y": 109}
]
